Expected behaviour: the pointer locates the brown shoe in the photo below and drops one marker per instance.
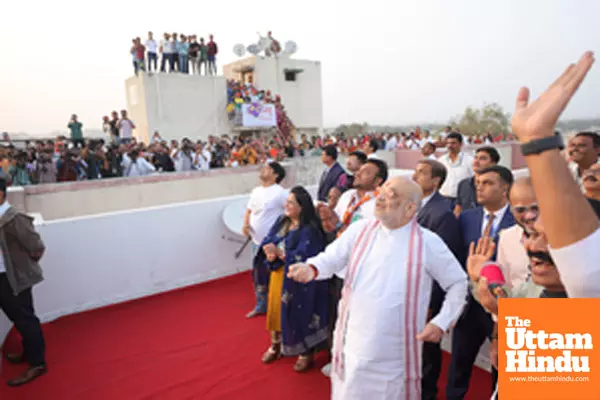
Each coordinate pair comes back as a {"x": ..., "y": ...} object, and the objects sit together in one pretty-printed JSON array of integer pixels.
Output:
[
  {"x": 272, "y": 354},
  {"x": 28, "y": 376},
  {"x": 303, "y": 364},
  {"x": 15, "y": 358},
  {"x": 254, "y": 313}
]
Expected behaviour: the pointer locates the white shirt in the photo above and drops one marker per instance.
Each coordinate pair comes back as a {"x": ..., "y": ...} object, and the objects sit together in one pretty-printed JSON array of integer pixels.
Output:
[
  {"x": 365, "y": 211},
  {"x": 167, "y": 46},
  {"x": 426, "y": 199},
  {"x": 266, "y": 204},
  {"x": 125, "y": 129},
  {"x": 512, "y": 256},
  {"x": 578, "y": 266},
  {"x": 498, "y": 215},
  {"x": 204, "y": 159},
  {"x": 391, "y": 144},
  {"x": 141, "y": 167},
  {"x": 3, "y": 209},
  {"x": 574, "y": 167},
  {"x": 151, "y": 46},
  {"x": 373, "y": 155},
  {"x": 458, "y": 170},
  {"x": 374, "y": 346}
]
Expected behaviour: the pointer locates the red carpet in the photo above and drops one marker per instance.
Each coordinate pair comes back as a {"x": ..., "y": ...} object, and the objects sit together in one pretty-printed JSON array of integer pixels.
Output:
[{"x": 192, "y": 343}]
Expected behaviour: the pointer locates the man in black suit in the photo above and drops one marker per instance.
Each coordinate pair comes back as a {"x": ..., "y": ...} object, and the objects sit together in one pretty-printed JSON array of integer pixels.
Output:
[
  {"x": 475, "y": 325},
  {"x": 436, "y": 215},
  {"x": 332, "y": 173}
]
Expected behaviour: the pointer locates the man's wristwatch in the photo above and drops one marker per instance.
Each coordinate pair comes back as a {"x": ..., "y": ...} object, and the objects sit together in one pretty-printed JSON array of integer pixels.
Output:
[{"x": 538, "y": 146}]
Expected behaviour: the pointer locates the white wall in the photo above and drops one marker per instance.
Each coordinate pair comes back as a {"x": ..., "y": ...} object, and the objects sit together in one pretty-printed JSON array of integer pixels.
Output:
[
  {"x": 104, "y": 259},
  {"x": 303, "y": 98},
  {"x": 178, "y": 105}
]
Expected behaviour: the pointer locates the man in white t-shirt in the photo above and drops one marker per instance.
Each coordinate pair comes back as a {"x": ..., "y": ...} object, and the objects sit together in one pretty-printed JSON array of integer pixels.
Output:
[
  {"x": 458, "y": 164},
  {"x": 266, "y": 205},
  {"x": 126, "y": 127},
  {"x": 203, "y": 158},
  {"x": 152, "y": 53}
]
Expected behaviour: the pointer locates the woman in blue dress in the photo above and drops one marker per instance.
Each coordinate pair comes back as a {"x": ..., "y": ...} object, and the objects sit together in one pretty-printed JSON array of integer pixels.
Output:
[{"x": 296, "y": 312}]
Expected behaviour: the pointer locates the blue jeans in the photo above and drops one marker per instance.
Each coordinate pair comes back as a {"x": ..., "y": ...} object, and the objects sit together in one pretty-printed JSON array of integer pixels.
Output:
[
  {"x": 261, "y": 298},
  {"x": 183, "y": 64},
  {"x": 152, "y": 61}
]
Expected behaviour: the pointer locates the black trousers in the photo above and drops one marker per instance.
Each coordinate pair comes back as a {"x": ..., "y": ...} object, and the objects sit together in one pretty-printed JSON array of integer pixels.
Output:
[
  {"x": 469, "y": 334},
  {"x": 19, "y": 309},
  {"x": 335, "y": 293}
]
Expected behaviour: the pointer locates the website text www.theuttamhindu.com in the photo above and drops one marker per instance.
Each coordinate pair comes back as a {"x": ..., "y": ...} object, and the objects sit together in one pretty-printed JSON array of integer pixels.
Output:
[{"x": 549, "y": 379}]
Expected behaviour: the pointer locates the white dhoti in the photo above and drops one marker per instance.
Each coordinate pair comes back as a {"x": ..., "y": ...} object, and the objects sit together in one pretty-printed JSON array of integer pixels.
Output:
[{"x": 384, "y": 305}]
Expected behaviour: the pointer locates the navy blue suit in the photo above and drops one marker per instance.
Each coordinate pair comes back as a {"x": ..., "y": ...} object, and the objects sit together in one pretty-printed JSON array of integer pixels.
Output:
[
  {"x": 437, "y": 216},
  {"x": 475, "y": 324},
  {"x": 329, "y": 180}
]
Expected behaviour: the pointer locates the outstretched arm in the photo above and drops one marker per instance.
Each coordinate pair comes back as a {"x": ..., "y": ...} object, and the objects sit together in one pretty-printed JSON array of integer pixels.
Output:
[{"x": 571, "y": 225}]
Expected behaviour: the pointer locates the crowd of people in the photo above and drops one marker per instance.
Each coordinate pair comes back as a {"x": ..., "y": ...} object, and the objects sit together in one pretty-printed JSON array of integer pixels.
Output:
[
  {"x": 239, "y": 93},
  {"x": 177, "y": 53},
  {"x": 398, "y": 262},
  {"x": 119, "y": 154},
  {"x": 376, "y": 270}
]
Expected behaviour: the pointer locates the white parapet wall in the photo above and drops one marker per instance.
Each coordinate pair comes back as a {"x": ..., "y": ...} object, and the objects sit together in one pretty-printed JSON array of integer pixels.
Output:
[{"x": 177, "y": 105}]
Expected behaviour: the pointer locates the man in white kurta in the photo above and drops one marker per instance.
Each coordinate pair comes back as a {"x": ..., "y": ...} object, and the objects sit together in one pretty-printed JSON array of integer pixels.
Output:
[{"x": 391, "y": 263}]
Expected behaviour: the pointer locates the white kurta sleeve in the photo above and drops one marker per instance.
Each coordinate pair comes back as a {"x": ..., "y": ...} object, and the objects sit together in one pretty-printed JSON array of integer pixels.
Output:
[
  {"x": 337, "y": 254},
  {"x": 579, "y": 267},
  {"x": 445, "y": 269}
]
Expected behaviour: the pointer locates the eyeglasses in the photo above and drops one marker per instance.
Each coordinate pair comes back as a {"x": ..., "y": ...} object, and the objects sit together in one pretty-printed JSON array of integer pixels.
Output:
[{"x": 534, "y": 208}]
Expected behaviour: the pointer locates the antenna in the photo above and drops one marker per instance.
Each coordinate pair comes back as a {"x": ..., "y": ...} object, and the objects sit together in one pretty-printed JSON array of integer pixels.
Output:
[{"x": 239, "y": 50}]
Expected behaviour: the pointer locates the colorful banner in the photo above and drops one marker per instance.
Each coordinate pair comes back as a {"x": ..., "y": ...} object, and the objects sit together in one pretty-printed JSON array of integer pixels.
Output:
[
  {"x": 258, "y": 115},
  {"x": 547, "y": 349}
]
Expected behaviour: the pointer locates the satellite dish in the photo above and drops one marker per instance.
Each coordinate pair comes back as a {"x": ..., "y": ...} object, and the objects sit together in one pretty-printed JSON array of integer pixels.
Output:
[
  {"x": 254, "y": 49},
  {"x": 291, "y": 47},
  {"x": 239, "y": 50},
  {"x": 233, "y": 216}
]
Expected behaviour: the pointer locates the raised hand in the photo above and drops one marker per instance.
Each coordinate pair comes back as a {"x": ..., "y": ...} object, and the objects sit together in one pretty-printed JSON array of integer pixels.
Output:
[
  {"x": 478, "y": 256},
  {"x": 537, "y": 120}
]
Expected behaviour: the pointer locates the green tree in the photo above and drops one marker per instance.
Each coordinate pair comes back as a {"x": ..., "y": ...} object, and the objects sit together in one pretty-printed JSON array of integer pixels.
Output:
[
  {"x": 490, "y": 118},
  {"x": 351, "y": 130}
]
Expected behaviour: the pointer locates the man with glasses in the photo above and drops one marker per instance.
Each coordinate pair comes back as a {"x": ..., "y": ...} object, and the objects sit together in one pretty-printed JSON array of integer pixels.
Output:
[{"x": 511, "y": 253}]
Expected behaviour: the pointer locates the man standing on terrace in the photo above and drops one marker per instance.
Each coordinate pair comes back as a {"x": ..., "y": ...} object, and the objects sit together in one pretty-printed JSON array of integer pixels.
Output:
[{"x": 22, "y": 248}]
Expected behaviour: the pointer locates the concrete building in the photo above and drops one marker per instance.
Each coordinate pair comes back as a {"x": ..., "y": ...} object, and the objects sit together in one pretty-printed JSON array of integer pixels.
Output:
[
  {"x": 177, "y": 105},
  {"x": 298, "y": 82}
]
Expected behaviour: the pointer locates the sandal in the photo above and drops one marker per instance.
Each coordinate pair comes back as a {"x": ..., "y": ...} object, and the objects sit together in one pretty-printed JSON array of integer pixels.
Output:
[
  {"x": 272, "y": 354},
  {"x": 303, "y": 363}
]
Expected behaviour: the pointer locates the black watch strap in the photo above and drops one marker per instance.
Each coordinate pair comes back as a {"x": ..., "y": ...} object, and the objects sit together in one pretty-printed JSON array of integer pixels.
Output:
[{"x": 538, "y": 146}]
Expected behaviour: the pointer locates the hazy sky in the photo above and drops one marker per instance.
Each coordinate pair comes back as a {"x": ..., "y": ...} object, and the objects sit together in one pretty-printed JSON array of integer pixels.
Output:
[{"x": 384, "y": 62}]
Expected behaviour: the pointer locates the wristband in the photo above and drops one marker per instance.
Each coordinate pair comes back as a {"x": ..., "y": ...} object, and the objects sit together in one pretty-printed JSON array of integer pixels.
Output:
[
  {"x": 538, "y": 146},
  {"x": 315, "y": 270}
]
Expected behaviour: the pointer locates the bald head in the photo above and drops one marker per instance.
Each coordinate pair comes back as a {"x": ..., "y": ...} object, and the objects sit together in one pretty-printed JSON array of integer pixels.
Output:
[
  {"x": 406, "y": 188},
  {"x": 522, "y": 190}
]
